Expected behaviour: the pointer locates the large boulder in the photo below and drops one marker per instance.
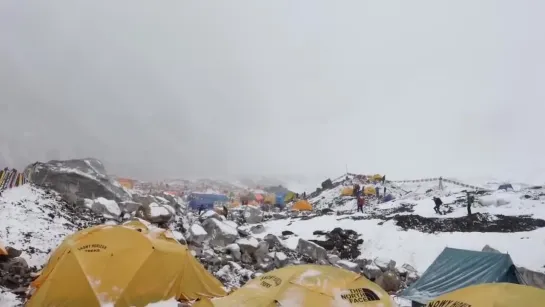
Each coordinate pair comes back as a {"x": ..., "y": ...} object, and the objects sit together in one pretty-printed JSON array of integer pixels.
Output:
[
  {"x": 311, "y": 250},
  {"x": 253, "y": 215},
  {"x": 220, "y": 233},
  {"x": 77, "y": 179},
  {"x": 156, "y": 213}
]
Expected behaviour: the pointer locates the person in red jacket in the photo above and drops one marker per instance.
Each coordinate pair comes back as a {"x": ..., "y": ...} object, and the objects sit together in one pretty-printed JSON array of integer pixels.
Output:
[{"x": 360, "y": 203}]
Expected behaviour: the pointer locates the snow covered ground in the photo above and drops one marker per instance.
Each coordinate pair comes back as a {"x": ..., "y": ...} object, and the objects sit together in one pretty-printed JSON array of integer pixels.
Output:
[
  {"x": 31, "y": 220},
  {"x": 385, "y": 239}
]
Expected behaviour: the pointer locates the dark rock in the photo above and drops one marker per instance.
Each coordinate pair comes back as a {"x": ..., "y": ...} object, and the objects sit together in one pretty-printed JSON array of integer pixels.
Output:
[
  {"x": 287, "y": 233},
  {"x": 76, "y": 179}
]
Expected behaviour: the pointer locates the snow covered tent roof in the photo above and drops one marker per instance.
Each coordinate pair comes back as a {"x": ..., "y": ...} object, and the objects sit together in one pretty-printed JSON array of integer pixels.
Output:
[{"x": 458, "y": 268}]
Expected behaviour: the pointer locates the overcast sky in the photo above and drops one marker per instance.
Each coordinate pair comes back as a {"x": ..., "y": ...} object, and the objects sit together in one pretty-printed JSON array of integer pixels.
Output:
[{"x": 213, "y": 88}]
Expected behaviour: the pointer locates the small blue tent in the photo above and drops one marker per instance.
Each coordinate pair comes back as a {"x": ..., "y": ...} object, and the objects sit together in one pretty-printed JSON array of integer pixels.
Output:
[
  {"x": 279, "y": 201},
  {"x": 458, "y": 268}
]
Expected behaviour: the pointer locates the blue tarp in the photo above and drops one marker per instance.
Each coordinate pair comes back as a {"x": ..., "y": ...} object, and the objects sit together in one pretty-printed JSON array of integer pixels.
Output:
[
  {"x": 280, "y": 199},
  {"x": 197, "y": 203},
  {"x": 458, "y": 268},
  {"x": 212, "y": 197},
  {"x": 196, "y": 200}
]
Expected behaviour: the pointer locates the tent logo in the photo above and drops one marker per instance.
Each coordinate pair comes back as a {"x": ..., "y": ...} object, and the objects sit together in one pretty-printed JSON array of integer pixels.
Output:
[
  {"x": 360, "y": 295},
  {"x": 270, "y": 281},
  {"x": 447, "y": 303},
  {"x": 92, "y": 248}
]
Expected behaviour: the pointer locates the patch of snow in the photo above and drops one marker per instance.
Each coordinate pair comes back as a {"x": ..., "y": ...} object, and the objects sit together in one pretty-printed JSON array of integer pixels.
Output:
[
  {"x": 197, "y": 229},
  {"x": 110, "y": 205},
  {"x": 157, "y": 210},
  {"x": 8, "y": 299},
  {"x": 29, "y": 219},
  {"x": 250, "y": 241}
]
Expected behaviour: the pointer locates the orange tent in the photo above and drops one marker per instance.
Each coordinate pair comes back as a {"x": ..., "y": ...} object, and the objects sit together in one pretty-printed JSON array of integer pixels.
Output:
[
  {"x": 302, "y": 205},
  {"x": 3, "y": 250}
]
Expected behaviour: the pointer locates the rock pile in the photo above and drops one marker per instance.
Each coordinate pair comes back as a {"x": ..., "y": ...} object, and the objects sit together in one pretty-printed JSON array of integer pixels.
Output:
[
  {"x": 15, "y": 274},
  {"x": 478, "y": 222}
]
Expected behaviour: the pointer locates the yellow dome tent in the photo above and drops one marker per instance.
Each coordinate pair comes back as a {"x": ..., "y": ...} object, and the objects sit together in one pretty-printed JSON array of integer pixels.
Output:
[
  {"x": 302, "y": 205},
  {"x": 369, "y": 190},
  {"x": 128, "y": 265},
  {"x": 376, "y": 177},
  {"x": 305, "y": 285},
  {"x": 492, "y": 295},
  {"x": 347, "y": 191}
]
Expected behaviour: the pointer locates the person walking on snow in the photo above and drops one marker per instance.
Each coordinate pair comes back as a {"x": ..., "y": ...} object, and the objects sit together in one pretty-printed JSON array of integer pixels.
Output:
[
  {"x": 360, "y": 203},
  {"x": 201, "y": 208},
  {"x": 225, "y": 212},
  {"x": 438, "y": 204},
  {"x": 470, "y": 200}
]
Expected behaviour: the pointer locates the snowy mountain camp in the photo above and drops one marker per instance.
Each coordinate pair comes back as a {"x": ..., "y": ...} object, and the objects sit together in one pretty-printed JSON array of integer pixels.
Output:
[
  {"x": 272, "y": 153},
  {"x": 394, "y": 239}
]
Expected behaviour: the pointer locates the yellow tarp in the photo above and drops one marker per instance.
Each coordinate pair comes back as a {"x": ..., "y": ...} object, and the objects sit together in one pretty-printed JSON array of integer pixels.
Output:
[
  {"x": 308, "y": 286},
  {"x": 369, "y": 190},
  {"x": 347, "y": 191},
  {"x": 302, "y": 205},
  {"x": 3, "y": 250},
  {"x": 234, "y": 204},
  {"x": 492, "y": 295},
  {"x": 128, "y": 265}
]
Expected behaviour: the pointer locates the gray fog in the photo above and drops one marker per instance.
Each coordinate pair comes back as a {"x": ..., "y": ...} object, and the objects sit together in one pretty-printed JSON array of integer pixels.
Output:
[{"x": 161, "y": 89}]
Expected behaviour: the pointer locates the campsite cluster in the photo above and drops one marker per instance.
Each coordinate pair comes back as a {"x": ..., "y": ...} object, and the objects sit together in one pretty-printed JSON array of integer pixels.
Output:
[{"x": 219, "y": 241}]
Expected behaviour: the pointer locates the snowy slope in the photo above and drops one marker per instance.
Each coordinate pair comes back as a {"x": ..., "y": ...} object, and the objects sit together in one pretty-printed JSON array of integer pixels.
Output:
[
  {"x": 385, "y": 239},
  {"x": 35, "y": 221}
]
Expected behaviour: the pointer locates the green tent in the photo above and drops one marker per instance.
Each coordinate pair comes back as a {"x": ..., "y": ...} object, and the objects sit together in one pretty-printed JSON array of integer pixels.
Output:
[{"x": 458, "y": 268}]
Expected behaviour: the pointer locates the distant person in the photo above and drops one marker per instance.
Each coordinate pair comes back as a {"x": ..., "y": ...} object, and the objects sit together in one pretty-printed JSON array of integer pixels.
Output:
[
  {"x": 470, "y": 200},
  {"x": 438, "y": 204},
  {"x": 384, "y": 191},
  {"x": 225, "y": 211},
  {"x": 304, "y": 195},
  {"x": 201, "y": 209},
  {"x": 377, "y": 191},
  {"x": 383, "y": 179},
  {"x": 356, "y": 190},
  {"x": 360, "y": 203}
]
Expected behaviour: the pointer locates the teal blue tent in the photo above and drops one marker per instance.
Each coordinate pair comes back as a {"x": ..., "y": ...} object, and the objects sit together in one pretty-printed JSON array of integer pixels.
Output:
[{"x": 458, "y": 268}]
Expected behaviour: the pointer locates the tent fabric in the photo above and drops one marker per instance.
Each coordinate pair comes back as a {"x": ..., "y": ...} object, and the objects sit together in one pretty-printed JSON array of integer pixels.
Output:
[
  {"x": 269, "y": 199},
  {"x": 376, "y": 177},
  {"x": 3, "y": 250},
  {"x": 457, "y": 268},
  {"x": 493, "y": 295},
  {"x": 305, "y": 285},
  {"x": 196, "y": 204},
  {"x": 347, "y": 191},
  {"x": 209, "y": 197},
  {"x": 289, "y": 196},
  {"x": 280, "y": 199},
  {"x": 302, "y": 205},
  {"x": 259, "y": 197},
  {"x": 369, "y": 190},
  {"x": 128, "y": 265}
]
